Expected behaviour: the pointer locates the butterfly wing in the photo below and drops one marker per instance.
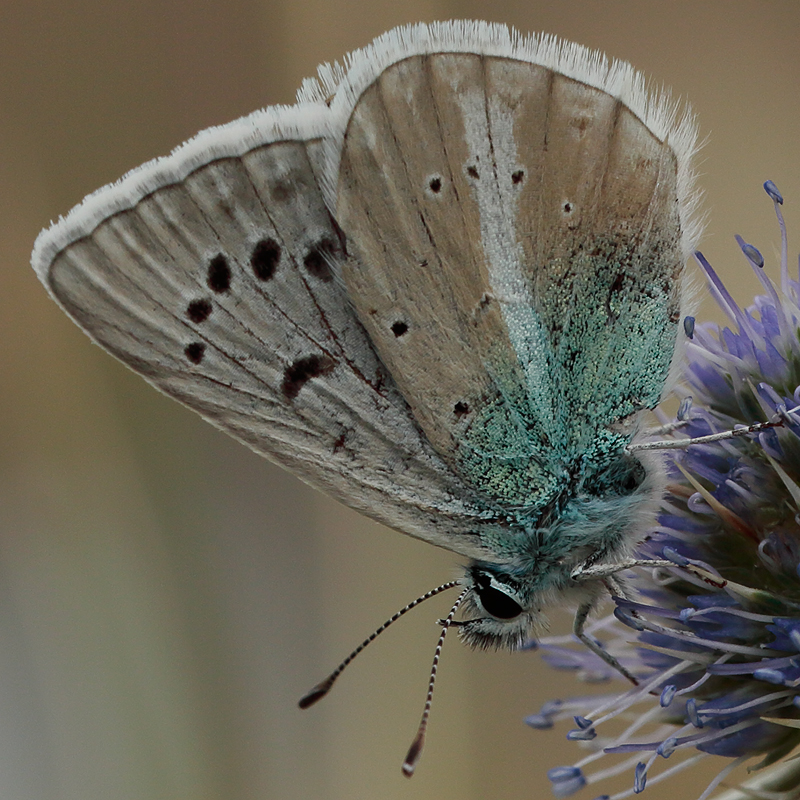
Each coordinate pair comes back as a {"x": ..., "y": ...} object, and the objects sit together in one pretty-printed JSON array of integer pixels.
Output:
[
  {"x": 376, "y": 287},
  {"x": 211, "y": 273},
  {"x": 518, "y": 239}
]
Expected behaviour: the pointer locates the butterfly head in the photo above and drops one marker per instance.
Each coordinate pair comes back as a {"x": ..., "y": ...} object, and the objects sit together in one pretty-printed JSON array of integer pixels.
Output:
[
  {"x": 497, "y": 610},
  {"x": 503, "y": 611},
  {"x": 596, "y": 522}
]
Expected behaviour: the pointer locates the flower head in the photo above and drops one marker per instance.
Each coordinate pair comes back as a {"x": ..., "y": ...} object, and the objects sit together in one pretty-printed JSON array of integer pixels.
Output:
[{"x": 714, "y": 640}]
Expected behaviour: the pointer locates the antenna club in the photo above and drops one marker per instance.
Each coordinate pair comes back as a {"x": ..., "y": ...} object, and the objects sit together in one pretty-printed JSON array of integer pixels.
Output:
[
  {"x": 413, "y": 755},
  {"x": 317, "y": 693}
]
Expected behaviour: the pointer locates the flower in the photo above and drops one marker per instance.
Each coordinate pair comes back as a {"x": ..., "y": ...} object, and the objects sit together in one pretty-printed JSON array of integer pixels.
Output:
[{"x": 715, "y": 639}]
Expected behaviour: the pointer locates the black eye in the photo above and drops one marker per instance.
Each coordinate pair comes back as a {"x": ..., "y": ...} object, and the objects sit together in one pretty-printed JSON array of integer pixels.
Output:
[
  {"x": 494, "y": 600},
  {"x": 499, "y": 604}
]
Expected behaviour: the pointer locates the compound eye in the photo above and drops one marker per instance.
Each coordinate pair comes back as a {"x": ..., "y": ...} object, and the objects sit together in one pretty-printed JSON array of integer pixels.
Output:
[{"x": 500, "y": 604}]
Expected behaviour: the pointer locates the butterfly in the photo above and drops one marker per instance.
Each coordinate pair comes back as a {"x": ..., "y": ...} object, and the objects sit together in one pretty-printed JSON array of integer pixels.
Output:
[{"x": 444, "y": 287}]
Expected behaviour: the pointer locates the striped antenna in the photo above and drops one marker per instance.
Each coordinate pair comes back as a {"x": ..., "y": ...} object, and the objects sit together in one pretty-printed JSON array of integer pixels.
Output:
[
  {"x": 322, "y": 688},
  {"x": 415, "y": 751}
]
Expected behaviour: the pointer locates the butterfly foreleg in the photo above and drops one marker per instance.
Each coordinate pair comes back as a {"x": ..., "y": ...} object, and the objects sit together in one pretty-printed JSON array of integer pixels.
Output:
[
  {"x": 590, "y": 571},
  {"x": 578, "y": 628}
]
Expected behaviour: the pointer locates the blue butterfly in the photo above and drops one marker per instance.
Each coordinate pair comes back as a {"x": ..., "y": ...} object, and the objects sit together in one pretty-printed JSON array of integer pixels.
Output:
[{"x": 442, "y": 287}]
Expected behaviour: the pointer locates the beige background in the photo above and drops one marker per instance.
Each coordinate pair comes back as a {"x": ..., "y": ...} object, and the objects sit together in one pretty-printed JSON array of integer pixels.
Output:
[{"x": 165, "y": 595}]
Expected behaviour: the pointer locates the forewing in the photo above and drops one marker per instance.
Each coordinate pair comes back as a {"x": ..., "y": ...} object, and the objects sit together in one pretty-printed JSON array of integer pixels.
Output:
[
  {"x": 422, "y": 202},
  {"x": 518, "y": 239},
  {"x": 213, "y": 274}
]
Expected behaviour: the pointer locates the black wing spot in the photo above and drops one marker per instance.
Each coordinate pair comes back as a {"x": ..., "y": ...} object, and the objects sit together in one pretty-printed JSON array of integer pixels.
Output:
[
  {"x": 567, "y": 207},
  {"x": 303, "y": 370},
  {"x": 199, "y": 310},
  {"x": 226, "y": 208},
  {"x": 518, "y": 176},
  {"x": 316, "y": 259},
  {"x": 282, "y": 190},
  {"x": 338, "y": 445},
  {"x": 461, "y": 408},
  {"x": 219, "y": 274},
  {"x": 265, "y": 258},
  {"x": 435, "y": 184},
  {"x": 399, "y": 328},
  {"x": 472, "y": 171},
  {"x": 195, "y": 352}
]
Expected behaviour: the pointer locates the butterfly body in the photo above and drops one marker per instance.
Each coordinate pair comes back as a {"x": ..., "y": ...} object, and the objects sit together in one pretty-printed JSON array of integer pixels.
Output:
[{"x": 443, "y": 287}]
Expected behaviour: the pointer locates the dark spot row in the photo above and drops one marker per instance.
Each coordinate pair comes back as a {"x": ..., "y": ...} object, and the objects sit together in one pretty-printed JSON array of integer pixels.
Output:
[
  {"x": 435, "y": 181},
  {"x": 264, "y": 260},
  {"x": 296, "y": 375},
  {"x": 299, "y": 372}
]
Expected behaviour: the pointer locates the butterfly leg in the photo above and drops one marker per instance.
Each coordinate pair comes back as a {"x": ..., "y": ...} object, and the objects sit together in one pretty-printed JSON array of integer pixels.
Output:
[
  {"x": 579, "y": 625},
  {"x": 605, "y": 572},
  {"x": 584, "y": 572}
]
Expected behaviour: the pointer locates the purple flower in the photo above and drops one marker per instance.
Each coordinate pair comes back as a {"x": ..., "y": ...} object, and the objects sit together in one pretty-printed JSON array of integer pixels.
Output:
[{"x": 714, "y": 640}]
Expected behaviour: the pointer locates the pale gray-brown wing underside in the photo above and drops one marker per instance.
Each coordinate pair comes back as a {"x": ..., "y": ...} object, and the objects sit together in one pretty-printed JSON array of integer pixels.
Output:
[
  {"x": 216, "y": 283},
  {"x": 438, "y": 353},
  {"x": 517, "y": 254}
]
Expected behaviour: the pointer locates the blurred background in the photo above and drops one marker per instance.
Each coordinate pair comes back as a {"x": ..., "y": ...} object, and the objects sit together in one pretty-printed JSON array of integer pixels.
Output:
[{"x": 166, "y": 595}]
